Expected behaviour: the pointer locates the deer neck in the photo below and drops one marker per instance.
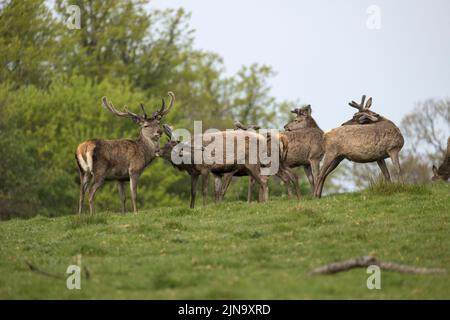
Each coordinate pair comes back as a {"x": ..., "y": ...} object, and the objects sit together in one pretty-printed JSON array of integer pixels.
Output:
[
  {"x": 444, "y": 168},
  {"x": 149, "y": 145},
  {"x": 311, "y": 123}
]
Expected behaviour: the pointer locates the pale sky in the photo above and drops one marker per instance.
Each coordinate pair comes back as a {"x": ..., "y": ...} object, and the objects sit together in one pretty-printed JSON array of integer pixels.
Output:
[{"x": 324, "y": 53}]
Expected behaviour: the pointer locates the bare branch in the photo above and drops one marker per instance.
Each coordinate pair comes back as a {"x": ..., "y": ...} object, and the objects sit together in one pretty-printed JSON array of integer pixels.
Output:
[{"x": 365, "y": 261}]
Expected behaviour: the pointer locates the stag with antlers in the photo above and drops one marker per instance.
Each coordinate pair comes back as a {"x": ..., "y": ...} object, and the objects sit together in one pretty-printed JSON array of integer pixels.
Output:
[
  {"x": 443, "y": 172},
  {"x": 305, "y": 144},
  {"x": 367, "y": 137},
  {"x": 120, "y": 160},
  {"x": 237, "y": 159},
  {"x": 288, "y": 177}
]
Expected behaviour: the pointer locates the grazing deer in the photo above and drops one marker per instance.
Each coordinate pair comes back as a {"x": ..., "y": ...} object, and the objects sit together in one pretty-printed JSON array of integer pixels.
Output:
[
  {"x": 368, "y": 137},
  {"x": 443, "y": 172},
  {"x": 287, "y": 176},
  {"x": 239, "y": 165},
  {"x": 120, "y": 160},
  {"x": 305, "y": 144}
]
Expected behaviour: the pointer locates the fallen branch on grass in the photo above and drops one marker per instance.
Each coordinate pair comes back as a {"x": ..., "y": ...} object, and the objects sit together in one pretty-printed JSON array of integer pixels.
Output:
[
  {"x": 35, "y": 269},
  {"x": 365, "y": 261}
]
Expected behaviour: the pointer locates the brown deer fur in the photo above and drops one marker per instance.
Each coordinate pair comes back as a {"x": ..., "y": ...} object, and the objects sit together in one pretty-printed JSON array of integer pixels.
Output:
[
  {"x": 203, "y": 169},
  {"x": 284, "y": 173},
  {"x": 443, "y": 172},
  {"x": 119, "y": 160},
  {"x": 305, "y": 144},
  {"x": 361, "y": 143}
]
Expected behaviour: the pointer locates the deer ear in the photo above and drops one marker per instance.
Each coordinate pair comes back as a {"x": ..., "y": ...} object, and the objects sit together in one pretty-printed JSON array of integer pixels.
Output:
[
  {"x": 136, "y": 120},
  {"x": 368, "y": 103},
  {"x": 435, "y": 170},
  {"x": 308, "y": 110}
]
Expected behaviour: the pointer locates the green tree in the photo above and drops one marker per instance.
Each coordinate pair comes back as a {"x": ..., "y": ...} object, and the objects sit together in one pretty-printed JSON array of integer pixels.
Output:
[
  {"x": 28, "y": 43},
  {"x": 252, "y": 102}
]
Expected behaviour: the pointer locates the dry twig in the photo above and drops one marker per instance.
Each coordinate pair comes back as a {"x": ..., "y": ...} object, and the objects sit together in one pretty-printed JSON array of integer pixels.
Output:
[{"x": 366, "y": 261}]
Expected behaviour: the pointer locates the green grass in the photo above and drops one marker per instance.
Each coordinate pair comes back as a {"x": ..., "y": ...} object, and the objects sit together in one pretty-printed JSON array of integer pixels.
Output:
[{"x": 234, "y": 250}]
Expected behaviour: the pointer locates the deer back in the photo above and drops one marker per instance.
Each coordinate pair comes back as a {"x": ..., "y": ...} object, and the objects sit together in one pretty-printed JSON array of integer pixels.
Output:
[{"x": 364, "y": 142}]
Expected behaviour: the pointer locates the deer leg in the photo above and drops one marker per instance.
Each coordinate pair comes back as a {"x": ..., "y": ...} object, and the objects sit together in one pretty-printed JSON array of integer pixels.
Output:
[
  {"x": 264, "y": 189},
  {"x": 121, "y": 188},
  {"x": 84, "y": 183},
  {"x": 283, "y": 175},
  {"x": 262, "y": 181},
  {"x": 294, "y": 180},
  {"x": 227, "y": 177},
  {"x": 251, "y": 182},
  {"x": 396, "y": 162},
  {"x": 134, "y": 177},
  {"x": 384, "y": 169},
  {"x": 97, "y": 183},
  {"x": 330, "y": 163},
  {"x": 315, "y": 166},
  {"x": 310, "y": 176},
  {"x": 194, "y": 179},
  {"x": 205, "y": 180},
  {"x": 217, "y": 188}
]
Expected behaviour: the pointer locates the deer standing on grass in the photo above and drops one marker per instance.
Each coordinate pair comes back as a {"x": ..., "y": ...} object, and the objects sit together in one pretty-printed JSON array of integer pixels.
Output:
[
  {"x": 287, "y": 176},
  {"x": 367, "y": 137},
  {"x": 443, "y": 172},
  {"x": 240, "y": 159},
  {"x": 305, "y": 144},
  {"x": 120, "y": 160}
]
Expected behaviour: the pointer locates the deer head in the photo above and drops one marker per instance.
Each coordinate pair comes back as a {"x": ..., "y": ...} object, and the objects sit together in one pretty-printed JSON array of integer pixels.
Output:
[
  {"x": 166, "y": 151},
  {"x": 440, "y": 173},
  {"x": 364, "y": 115},
  {"x": 302, "y": 120},
  {"x": 149, "y": 125}
]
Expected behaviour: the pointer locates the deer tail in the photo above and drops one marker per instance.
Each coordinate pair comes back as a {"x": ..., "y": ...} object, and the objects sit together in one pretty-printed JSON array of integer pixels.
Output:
[
  {"x": 84, "y": 156},
  {"x": 284, "y": 146}
]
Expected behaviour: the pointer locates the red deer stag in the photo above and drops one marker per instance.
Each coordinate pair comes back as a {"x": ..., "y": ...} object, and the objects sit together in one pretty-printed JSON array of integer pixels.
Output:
[
  {"x": 305, "y": 144},
  {"x": 368, "y": 137},
  {"x": 120, "y": 160},
  {"x": 240, "y": 155},
  {"x": 284, "y": 173},
  {"x": 443, "y": 172}
]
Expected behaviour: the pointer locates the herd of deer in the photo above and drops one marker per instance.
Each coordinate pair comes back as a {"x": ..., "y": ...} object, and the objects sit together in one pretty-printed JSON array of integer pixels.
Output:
[{"x": 367, "y": 137}]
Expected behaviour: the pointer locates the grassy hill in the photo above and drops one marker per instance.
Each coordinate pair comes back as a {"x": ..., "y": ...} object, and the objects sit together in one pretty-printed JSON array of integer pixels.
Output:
[{"x": 236, "y": 250}]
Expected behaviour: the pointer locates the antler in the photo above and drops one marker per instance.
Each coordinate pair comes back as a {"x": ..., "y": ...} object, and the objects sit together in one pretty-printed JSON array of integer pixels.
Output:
[
  {"x": 237, "y": 125},
  {"x": 365, "y": 116},
  {"x": 109, "y": 106},
  {"x": 361, "y": 105},
  {"x": 163, "y": 110},
  {"x": 143, "y": 111},
  {"x": 356, "y": 105},
  {"x": 168, "y": 130}
]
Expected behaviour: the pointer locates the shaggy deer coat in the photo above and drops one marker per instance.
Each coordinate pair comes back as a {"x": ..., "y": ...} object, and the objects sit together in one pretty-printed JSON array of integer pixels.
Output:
[
  {"x": 361, "y": 143},
  {"x": 119, "y": 160},
  {"x": 240, "y": 163},
  {"x": 443, "y": 172},
  {"x": 289, "y": 178},
  {"x": 305, "y": 144}
]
